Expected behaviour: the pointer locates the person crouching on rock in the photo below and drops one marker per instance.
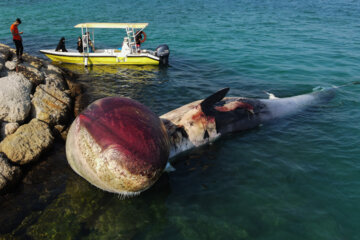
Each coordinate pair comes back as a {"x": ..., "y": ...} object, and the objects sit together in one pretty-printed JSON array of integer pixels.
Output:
[
  {"x": 61, "y": 45},
  {"x": 17, "y": 39}
]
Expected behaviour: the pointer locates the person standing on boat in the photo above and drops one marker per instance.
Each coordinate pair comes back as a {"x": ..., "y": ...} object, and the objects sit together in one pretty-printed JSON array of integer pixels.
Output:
[
  {"x": 140, "y": 37},
  {"x": 91, "y": 46},
  {"x": 17, "y": 39},
  {"x": 85, "y": 41},
  {"x": 79, "y": 45}
]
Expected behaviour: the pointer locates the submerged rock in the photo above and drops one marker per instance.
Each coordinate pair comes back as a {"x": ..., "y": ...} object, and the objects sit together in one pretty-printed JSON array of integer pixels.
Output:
[
  {"x": 97, "y": 213},
  {"x": 28, "y": 142},
  {"x": 61, "y": 131},
  {"x": 9, "y": 174},
  {"x": 15, "y": 103}
]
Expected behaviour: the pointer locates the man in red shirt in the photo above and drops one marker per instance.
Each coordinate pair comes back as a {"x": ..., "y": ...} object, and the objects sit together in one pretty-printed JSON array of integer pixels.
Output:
[{"x": 17, "y": 39}]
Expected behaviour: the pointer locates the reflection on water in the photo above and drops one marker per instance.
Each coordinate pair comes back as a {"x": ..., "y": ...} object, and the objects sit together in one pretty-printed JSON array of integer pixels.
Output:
[
  {"x": 109, "y": 69},
  {"x": 110, "y": 80}
]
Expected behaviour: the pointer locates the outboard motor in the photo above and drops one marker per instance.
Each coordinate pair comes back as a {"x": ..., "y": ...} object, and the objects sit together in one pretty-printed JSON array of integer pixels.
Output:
[{"x": 163, "y": 53}]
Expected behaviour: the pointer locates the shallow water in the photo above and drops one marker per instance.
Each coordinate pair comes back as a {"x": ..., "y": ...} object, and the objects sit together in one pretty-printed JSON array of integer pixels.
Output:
[{"x": 298, "y": 178}]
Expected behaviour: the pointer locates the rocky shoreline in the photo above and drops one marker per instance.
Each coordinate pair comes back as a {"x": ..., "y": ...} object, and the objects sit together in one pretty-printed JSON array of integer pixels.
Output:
[{"x": 38, "y": 101}]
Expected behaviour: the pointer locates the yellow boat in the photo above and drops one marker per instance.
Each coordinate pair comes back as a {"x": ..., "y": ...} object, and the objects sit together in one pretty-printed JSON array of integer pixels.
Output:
[{"x": 130, "y": 52}]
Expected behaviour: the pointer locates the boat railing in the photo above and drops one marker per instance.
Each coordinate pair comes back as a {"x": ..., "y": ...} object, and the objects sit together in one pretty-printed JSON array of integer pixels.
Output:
[{"x": 132, "y": 42}]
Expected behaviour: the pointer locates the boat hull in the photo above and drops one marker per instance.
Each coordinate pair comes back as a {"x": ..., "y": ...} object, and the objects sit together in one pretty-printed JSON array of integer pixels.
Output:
[{"x": 100, "y": 59}]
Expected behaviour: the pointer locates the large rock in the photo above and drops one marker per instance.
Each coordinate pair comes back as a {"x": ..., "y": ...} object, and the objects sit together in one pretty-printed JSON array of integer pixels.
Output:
[
  {"x": 4, "y": 55},
  {"x": 2, "y": 61},
  {"x": 54, "y": 76},
  {"x": 53, "y": 69},
  {"x": 15, "y": 103},
  {"x": 75, "y": 88},
  {"x": 31, "y": 73},
  {"x": 55, "y": 80},
  {"x": 9, "y": 174},
  {"x": 78, "y": 93},
  {"x": 29, "y": 61},
  {"x": 28, "y": 142},
  {"x": 10, "y": 65},
  {"x": 35, "y": 62},
  {"x": 51, "y": 105},
  {"x": 5, "y": 50}
]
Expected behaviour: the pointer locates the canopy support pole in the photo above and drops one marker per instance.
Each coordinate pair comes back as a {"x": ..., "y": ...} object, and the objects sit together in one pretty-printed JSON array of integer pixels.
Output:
[{"x": 85, "y": 54}]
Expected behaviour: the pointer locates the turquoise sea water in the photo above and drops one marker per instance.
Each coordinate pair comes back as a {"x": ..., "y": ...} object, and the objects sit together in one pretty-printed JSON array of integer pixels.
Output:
[{"x": 298, "y": 178}]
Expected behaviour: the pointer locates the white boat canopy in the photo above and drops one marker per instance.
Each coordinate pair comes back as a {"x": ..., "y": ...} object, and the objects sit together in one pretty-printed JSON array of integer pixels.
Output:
[{"x": 112, "y": 25}]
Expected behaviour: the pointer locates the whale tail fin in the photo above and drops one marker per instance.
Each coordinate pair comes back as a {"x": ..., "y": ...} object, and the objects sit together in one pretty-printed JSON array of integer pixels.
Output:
[{"x": 208, "y": 103}]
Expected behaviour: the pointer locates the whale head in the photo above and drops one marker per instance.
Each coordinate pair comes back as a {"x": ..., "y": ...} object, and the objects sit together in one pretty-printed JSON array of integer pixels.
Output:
[{"x": 118, "y": 145}]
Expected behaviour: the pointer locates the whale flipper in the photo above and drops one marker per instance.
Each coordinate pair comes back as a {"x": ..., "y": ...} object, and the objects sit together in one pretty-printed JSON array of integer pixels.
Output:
[
  {"x": 208, "y": 103},
  {"x": 271, "y": 95},
  {"x": 169, "y": 168}
]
